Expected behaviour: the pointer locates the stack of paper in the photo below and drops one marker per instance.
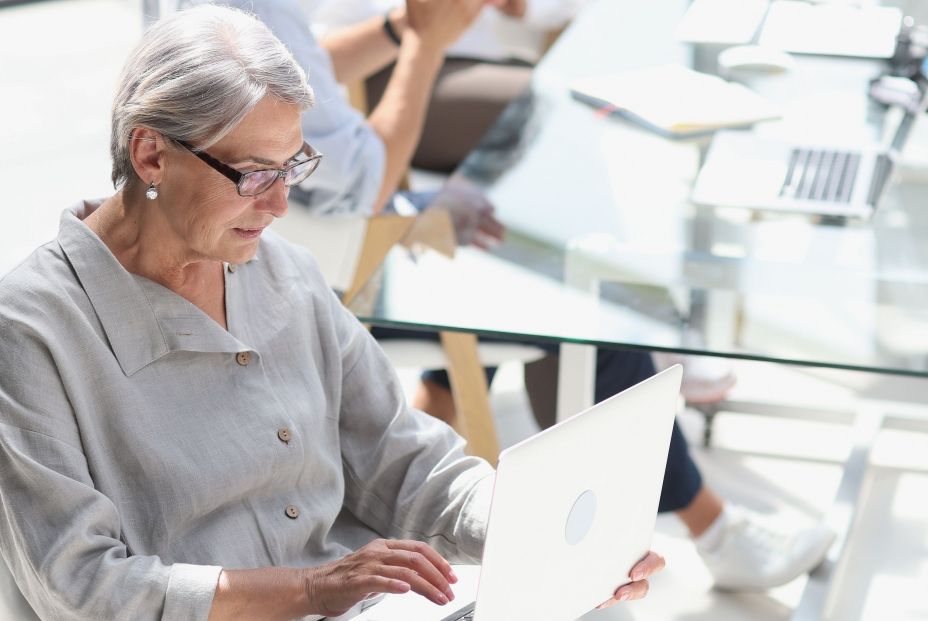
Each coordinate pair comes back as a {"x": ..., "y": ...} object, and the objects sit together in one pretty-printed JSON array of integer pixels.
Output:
[
  {"x": 835, "y": 28},
  {"x": 675, "y": 101},
  {"x": 730, "y": 22}
]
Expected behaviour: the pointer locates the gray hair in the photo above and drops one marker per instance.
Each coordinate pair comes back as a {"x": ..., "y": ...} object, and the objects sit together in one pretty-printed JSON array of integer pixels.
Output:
[{"x": 195, "y": 75}]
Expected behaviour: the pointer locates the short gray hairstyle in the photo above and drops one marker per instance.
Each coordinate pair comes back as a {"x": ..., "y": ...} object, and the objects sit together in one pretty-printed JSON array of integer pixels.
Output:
[{"x": 195, "y": 75}]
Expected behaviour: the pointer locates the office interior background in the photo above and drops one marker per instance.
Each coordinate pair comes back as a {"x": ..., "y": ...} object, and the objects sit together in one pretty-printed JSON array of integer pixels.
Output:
[{"x": 59, "y": 61}]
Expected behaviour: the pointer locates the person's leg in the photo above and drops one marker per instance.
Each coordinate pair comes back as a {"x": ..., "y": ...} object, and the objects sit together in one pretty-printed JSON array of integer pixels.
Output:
[
  {"x": 683, "y": 491},
  {"x": 433, "y": 395}
]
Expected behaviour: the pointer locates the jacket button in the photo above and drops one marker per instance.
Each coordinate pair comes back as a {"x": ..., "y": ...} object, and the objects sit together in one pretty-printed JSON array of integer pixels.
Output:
[
  {"x": 243, "y": 358},
  {"x": 293, "y": 512},
  {"x": 284, "y": 434}
]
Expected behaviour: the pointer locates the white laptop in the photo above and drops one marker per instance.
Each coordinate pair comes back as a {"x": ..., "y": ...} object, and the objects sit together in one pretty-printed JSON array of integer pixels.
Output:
[
  {"x": 573, "y": 510},
  {"x": 743, "y": 169}
]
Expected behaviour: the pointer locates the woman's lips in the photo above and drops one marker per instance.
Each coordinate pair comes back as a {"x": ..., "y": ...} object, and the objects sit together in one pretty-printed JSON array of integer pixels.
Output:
[{"x": 248, "y": 233}]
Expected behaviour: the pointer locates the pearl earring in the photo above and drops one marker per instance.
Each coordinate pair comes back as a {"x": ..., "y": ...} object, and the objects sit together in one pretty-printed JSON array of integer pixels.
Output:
[{"x": 152, "y": 192}]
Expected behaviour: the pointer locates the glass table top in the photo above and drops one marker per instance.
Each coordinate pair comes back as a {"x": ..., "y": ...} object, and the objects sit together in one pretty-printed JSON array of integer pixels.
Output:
[{"x": 604, "y": 246}]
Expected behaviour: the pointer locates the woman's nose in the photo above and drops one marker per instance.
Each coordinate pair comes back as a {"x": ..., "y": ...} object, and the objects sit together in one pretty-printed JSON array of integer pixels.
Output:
[{"x": 274, "y": 200}]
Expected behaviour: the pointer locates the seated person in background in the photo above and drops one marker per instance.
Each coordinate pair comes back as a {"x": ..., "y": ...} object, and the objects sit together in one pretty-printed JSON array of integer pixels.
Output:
[
  {"x": 740, "y": 553},
  {"x": 484, "y": 70},
  {"x": 191, "y": 425},
  {"x": 371, "y": 155}
]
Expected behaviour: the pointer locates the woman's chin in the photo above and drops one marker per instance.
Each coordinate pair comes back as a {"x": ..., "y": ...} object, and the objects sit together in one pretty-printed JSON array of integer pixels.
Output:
[{"x": 240, "y": 252}]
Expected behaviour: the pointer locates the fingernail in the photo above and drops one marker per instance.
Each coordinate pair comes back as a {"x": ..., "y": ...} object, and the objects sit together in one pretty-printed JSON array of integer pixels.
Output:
[
  {"x": 638, "y": 575},
  {"x": 624, "y": 596},
  {"x": 449, "y": 594},
  {"x": 453, "y": 576},
  {"x": 442, "y": 599}
]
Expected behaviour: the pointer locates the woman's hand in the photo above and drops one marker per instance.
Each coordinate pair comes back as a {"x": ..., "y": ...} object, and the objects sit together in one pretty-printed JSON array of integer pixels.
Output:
[
  {"x": 638, "y": 587},
  {"x": 382, "y": 566}
]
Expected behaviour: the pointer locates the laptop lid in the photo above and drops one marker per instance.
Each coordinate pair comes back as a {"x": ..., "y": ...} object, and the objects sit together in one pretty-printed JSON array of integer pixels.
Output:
[{"x": 573, "y": 510}]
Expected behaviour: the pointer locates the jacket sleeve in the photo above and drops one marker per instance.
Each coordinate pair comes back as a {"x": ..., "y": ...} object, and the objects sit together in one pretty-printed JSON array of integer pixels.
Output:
[
  {"x": 406, "y": 473},
  {"x": 58, "y": 534}
]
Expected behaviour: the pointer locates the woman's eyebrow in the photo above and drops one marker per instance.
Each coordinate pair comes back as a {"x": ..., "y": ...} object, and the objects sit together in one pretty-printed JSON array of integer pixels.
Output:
[{"x": 260, "y": 160}]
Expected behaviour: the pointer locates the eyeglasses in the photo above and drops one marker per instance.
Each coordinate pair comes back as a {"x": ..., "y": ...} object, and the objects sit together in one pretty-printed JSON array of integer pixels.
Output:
[{"x": 257, "y": 181}]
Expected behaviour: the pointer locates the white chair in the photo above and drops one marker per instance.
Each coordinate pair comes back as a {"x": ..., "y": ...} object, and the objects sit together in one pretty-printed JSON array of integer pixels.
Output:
[{"x": 349, "y": 251}]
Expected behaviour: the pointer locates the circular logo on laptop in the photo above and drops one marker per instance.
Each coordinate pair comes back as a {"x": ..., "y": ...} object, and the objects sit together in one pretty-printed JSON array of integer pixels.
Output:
[{"x": 580, "y": 518}]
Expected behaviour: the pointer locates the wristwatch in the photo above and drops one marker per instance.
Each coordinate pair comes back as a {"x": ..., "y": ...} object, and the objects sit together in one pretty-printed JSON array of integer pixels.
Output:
[{"x": 390, "y": 30}]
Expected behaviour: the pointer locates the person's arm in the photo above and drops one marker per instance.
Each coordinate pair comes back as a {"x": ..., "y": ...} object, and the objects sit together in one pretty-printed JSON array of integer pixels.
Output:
[
  {"x": 362, "y": 49},
  {"x": 433, "y": 25},
  {"x": 406, "y": 473},
  {"x": 381, "y": 566},
  {"x": 59, "y": 535},
  {"x": 512, "y": 8}
]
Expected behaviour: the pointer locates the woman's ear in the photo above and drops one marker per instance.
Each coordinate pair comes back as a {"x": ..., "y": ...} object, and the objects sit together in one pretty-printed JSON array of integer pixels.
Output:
[{"x": 147, "y": 151}]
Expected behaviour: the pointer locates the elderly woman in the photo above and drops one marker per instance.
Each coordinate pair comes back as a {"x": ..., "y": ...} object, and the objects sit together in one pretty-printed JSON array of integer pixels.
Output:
[{"x": 191, "y": 426}]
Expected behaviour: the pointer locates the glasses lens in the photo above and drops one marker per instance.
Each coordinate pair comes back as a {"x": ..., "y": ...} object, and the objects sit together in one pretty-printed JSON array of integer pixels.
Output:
[
  {"x": 301, "y": 171},
  {"x": 256, "y": 182}
]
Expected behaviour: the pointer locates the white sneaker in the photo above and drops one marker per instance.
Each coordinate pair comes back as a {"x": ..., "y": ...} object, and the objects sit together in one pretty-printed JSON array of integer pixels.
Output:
[
  {"x": 744, "y": 555},
  {"x": 706, "y": 379}
]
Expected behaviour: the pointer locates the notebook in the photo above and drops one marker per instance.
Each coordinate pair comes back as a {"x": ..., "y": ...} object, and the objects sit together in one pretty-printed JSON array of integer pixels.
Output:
[{"x": 675, "y": 101}]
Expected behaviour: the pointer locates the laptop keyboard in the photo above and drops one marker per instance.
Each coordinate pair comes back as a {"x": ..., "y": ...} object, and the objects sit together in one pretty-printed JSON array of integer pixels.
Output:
[
  {"x": 464, "y": 614},
  {"x": 820, "y": 175}
]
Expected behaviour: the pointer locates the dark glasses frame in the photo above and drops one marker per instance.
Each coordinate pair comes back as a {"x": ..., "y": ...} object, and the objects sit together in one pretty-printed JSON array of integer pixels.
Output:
[{"x": 240, "y": 179}]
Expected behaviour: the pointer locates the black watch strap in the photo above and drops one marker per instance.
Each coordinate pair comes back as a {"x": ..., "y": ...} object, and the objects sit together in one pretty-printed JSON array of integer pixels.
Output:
[{"x": 390, "y": 30}]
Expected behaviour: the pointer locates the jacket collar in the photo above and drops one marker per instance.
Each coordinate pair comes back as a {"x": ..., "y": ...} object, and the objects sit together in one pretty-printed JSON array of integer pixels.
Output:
[{"x": 143, "y": 320}]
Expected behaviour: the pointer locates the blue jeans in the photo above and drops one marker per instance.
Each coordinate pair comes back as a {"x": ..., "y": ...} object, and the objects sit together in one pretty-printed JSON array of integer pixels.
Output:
[{"x": 616, "y": 370}]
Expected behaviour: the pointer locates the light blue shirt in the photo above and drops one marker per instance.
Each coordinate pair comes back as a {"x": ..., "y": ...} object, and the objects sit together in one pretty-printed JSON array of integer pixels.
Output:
[{"x": 349, "y": 178}]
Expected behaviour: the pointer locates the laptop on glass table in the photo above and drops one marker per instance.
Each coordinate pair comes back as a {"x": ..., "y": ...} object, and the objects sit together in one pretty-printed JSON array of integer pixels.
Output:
[
  {"x": 573, "y": 510},
  {"x": 743, "y": 169}
]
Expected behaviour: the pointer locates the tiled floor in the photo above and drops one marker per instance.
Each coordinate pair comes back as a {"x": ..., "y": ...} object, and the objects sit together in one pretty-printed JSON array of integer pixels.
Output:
[{"x": 58, "y": 65}]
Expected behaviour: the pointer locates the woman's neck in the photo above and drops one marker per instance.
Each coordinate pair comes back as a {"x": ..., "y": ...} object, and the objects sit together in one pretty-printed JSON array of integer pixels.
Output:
[{"x": 144, "y": 244}]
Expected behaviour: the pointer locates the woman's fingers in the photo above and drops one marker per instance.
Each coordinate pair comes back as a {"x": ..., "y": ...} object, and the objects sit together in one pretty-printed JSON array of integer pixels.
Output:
[
  {"x": 638, "y": 588},
  {"x": 436, "y": 559},
  {"x": 385, "y": 566},
  {"x": 648, "y": 566},
  {"x": 632, "y": 590},
  {"x": 382, "y": 584},
  {"x": 424, "y": 549},
  {"x": 627, "y": 592},
  {"x": 422, "y": 567},
  {"x": 416, "y": 583}
]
